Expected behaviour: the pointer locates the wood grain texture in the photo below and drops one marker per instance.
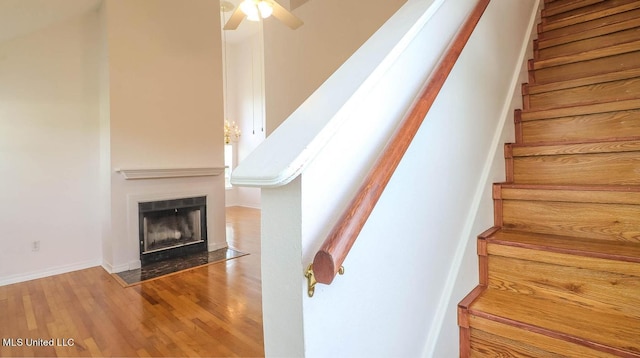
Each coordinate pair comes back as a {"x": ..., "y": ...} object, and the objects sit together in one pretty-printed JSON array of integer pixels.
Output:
[
  {"x": 613, "y": 333},
  {"x": 587, "y": 55},
  {"x": 598, "y": 126},
  {"x": 576, "y": 30},
  {"x": 558, "y": 7},
  {"x": 594, "y": 221},
  {"x": 212, "y": 311},
  {"x": 624, "y": 105},
  {"x": 492, "y": 339},
  {"x": 593, "y": 67},
  {"x": 578, "y": 169},
  {"x": 587, "y": 285},
  {"x": 587, "y": 13},
  {"x": 603, "y": 26},
  {"x": 335, "y": 248},
  {"x": 609, "y": 91},
  {"x": 590, "y": 43}
]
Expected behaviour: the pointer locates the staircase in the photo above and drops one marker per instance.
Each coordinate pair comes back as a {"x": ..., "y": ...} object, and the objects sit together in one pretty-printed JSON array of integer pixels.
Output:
[{"x": 560, "y": 270}]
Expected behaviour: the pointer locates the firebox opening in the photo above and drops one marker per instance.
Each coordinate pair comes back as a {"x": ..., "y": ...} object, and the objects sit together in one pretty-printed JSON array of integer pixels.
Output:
[{"x": 172, "y": 228}]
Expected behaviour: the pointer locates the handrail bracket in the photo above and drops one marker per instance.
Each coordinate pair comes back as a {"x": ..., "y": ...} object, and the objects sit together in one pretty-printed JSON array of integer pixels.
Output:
[{"x": 311, "y": 279}]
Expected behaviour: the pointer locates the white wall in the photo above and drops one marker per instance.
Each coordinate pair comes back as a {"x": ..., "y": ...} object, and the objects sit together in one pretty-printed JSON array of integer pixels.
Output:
[
  {"x": 49, "y": 155},
  {"x": 245, "y": 106},
  {"x": 134, "y": 84},
  {"x": 165, "y": 111},
  {"x": 297, "y": 62}
]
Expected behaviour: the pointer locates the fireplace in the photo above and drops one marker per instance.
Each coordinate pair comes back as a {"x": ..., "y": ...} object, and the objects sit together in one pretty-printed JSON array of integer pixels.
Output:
[{"x": 172, "y": 228}]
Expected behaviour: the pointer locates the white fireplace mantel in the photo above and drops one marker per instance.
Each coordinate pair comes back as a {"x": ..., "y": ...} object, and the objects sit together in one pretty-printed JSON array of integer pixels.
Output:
[{"x": 133, "y": 174}]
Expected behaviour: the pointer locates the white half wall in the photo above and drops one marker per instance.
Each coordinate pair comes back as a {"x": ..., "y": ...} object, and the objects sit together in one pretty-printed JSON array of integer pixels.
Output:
[{"x": 49, "y": 154}]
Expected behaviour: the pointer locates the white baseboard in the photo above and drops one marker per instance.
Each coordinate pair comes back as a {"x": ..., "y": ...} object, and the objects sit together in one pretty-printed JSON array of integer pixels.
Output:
[{"x": 8, "y": 280}]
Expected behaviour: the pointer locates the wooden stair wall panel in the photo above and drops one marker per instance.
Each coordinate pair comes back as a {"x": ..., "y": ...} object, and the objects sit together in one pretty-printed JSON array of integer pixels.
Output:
[{"x": 559, "y": 273}]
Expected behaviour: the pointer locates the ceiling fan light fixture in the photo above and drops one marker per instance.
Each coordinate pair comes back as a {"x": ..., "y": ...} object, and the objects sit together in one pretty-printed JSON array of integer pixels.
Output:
[
  {"x": 265, "y": 9},
  {"x": 256, "y": 9}
]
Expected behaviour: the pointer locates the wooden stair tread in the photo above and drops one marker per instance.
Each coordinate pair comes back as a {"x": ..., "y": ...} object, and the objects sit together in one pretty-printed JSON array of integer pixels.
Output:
[
  {"x": 612, "y": 250},
  {"x": 561, "y": 319}
]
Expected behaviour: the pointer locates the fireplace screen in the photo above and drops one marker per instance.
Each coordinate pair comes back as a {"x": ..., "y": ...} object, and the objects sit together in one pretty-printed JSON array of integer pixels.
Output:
[{"x": 172, "y": 228}]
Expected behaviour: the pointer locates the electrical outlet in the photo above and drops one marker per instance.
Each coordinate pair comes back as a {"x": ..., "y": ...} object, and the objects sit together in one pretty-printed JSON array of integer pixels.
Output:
[{"x": 35, "y": 246}]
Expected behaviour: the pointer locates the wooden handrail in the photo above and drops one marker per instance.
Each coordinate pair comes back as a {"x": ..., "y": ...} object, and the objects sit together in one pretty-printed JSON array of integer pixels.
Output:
[{"x": 329, "y": 258}]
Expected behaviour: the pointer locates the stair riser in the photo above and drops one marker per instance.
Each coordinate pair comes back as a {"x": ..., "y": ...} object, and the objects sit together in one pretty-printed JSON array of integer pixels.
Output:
[
  {"x": 588, "y": 44},
  {"x": 578, "y": 169},
  {"x": 589, "y": 282},
  {"x": 626, "y": 61},
  {"x": 597, "y": 53},
  {"x": 492, "y": 339},
  {"x": 595, "y": 93},
  {"x": 596, "y": 221},
  {"x": 598, "y": 126}
]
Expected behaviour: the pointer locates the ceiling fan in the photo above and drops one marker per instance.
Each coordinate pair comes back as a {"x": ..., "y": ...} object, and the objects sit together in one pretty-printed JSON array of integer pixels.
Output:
[{"x": 254, "y": 10}]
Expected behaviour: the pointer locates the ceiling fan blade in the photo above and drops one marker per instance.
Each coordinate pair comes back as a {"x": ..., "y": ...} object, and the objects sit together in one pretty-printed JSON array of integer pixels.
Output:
[
  {"x": 235, "y": 19},
  {"x": 285, "y": 16}
]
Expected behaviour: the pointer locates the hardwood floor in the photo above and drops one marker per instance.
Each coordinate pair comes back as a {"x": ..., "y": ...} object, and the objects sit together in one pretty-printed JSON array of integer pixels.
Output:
[{"x": 212, "y": 311}]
